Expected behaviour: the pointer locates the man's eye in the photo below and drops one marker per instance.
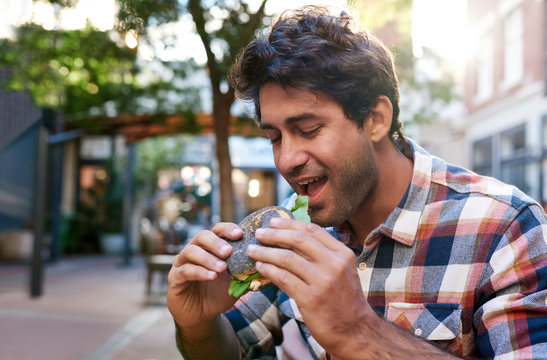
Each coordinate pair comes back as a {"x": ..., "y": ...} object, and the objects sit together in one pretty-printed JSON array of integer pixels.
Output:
[
  {"x": 273, "y": 135},
  {"x": 310, "y": 132}
]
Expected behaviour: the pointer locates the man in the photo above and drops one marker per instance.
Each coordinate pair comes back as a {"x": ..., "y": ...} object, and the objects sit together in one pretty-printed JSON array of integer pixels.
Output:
[{"x": 424, "y": 260}]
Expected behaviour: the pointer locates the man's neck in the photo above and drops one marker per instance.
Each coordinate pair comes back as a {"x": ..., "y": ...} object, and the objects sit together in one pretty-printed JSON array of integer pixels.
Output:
[{"x": 394, "y": 176}]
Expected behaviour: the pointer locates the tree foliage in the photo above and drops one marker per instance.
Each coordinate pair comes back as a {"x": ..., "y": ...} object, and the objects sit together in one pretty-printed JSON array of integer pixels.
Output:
[
  {"x": 140, "y": 15},
  {"x": 91, "y": 75},
  {"x": 153, "y": 155},
  {"x": 76, "y": 71},
  {"x": 377, "y": 13}
]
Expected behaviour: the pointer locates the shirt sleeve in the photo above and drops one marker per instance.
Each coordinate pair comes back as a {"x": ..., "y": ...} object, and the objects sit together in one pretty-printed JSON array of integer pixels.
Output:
[
  {"x": 256, "y": 321},
  {"x": 511, "y": 319}
]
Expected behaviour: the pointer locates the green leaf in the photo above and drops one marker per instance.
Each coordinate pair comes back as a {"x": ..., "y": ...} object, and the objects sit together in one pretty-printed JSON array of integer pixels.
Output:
[
  {"x": 300, "y": 208},
  {"x": 238, "y": 288}
]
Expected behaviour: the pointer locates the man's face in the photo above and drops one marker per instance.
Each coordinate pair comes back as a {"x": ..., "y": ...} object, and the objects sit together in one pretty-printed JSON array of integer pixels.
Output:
[{"x": 319, "y": 151}]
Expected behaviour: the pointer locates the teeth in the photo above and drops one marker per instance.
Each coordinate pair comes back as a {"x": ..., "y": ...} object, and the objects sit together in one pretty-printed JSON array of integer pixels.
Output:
[{"x": 308, "y": 181}]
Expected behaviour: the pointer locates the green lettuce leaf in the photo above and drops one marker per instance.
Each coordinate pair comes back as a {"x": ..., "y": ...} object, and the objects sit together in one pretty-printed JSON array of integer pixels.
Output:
[
  {"x": 300, "y": 208},
  {"x": 238, "y": 288}
]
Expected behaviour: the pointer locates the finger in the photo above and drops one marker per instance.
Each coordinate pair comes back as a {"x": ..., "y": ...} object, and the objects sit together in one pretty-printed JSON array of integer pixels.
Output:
[
  {"x": 301, "y": 253},
  {"x": 295, "y": 287},
  {"x": 284, "y": 260},
  {"x": 191, "y": 272},
  {"x": 314, "y": 230},
  {"x": 282, "y": 278},
  {"x": 197, "y": 255},
  {"x": 209, "y": 241},
  {"x": 229, "y": 231},
  {"x": 299, "y": 241}
]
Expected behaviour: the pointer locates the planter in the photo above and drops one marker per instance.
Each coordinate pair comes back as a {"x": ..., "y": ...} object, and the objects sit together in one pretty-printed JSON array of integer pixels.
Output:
[
  {"x": 16, "y": 245},
  {"x": 112, "y": 243}
]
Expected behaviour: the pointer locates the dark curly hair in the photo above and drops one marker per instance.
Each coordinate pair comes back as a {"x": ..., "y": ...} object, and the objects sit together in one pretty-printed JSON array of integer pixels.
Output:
[{"x": 311, "y": 49}]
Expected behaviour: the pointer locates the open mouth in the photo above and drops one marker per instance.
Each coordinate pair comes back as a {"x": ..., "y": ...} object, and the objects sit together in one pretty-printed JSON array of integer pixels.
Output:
[{"x": 312, "y": 187}]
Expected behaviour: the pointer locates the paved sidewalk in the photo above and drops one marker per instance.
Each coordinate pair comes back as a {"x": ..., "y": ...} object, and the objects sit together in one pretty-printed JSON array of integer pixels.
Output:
[{"x": 92, "y": 309}]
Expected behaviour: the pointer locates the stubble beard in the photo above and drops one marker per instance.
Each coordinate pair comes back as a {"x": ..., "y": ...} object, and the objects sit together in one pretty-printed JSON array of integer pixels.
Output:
[{"x": 354, "y": 184}]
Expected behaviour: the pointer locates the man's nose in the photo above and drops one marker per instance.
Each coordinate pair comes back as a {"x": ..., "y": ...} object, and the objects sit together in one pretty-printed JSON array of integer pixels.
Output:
[{"x": 290, "y": 155}]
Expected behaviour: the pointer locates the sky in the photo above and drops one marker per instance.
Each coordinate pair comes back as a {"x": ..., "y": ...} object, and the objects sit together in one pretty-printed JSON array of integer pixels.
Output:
[{"x": 440, "y": 25}]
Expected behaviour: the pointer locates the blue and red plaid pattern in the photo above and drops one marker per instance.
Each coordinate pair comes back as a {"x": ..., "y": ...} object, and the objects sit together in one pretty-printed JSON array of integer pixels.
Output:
[{"x": 462, "y": 261}]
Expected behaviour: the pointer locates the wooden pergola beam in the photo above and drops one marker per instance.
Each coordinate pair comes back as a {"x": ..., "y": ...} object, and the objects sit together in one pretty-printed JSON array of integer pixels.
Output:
[{"x": 138, "y": 127}]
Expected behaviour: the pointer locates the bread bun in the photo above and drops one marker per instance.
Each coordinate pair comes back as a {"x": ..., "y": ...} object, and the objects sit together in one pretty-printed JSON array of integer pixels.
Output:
[{"x": 241, "y": 266}]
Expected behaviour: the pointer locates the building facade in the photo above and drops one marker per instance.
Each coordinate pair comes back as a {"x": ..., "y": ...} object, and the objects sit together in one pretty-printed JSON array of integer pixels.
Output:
[{"x": 505, "y": 93}]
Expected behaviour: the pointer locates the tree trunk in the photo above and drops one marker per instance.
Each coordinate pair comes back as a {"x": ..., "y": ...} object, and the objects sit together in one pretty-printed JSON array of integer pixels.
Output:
[
  {"x": 222, "y": 102},
  {"x": 221, "y": 113}
]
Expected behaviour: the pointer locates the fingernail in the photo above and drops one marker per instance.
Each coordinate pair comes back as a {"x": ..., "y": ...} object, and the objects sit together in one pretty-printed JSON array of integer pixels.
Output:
[
  {"x": 251, "y": 249},
  {"x": 260, "y": 232},
  {"x": 275, "y": 221},
  {"x": 235, "y": 232},
  {"x": 225, "y": 248}
]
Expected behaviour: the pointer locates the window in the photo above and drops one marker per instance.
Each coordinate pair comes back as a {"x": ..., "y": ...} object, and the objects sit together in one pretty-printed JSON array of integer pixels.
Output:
[
  {"x": 515, "y": 172},
  {"x": 513, "y": 143},
  {"x": 482, "y": 156},
  {"x": 513, "y": 48},
  {"x": 96, "y": 147},
  {"x": 515, "y": 166},
  {"x": 485, "y": 68},
  {"x": 544, "y": 134}
]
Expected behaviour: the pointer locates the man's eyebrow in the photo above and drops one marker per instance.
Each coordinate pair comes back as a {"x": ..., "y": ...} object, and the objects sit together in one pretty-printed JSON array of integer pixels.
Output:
[
  {"x": 266, "y": 126},
  {"x": 289, "y": 121}
]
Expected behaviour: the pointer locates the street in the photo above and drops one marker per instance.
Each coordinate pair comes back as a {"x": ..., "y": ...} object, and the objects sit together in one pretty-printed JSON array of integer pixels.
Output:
[{"x": 92, "y": 308}]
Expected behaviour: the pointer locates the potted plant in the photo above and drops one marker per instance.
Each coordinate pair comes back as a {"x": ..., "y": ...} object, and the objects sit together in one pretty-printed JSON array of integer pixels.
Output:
[{"x": 112, "y": 237}]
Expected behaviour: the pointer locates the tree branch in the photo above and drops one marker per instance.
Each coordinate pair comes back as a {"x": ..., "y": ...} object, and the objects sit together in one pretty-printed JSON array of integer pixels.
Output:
[{"x": 196, "y": 10}]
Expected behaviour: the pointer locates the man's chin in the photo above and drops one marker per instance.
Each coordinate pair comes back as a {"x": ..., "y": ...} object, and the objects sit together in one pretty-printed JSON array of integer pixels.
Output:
[{"x": 322, "y": 218}]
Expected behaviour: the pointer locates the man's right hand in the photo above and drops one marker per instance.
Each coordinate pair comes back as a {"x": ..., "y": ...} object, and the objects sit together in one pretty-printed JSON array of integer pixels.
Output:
[{"x": 198, "y": 282}]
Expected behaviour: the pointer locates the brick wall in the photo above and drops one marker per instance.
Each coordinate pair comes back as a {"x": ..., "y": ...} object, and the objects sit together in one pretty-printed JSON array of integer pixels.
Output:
[{"x": 489, "y": 12}]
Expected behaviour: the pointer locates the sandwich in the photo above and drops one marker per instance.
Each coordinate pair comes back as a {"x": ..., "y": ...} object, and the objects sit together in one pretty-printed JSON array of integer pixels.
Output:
[{"x": 241, "y": 267}]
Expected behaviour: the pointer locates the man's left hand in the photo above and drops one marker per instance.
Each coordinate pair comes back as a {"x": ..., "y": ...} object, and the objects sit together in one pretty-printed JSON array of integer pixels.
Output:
[{"x": 319, "y": 273}]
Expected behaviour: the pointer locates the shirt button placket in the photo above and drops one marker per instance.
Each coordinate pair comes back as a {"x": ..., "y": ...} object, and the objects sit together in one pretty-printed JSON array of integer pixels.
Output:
[{"x": 362, "y": 266}]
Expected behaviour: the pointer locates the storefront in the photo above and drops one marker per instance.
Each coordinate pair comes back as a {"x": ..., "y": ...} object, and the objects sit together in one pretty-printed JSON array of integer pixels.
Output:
[{"x": 255, "y": 179}]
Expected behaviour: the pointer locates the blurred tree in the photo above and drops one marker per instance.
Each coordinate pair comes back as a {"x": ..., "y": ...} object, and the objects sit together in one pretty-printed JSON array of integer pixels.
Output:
[
  {"x": 238, "y": 25},
  {"x": 74, "y": 71},
  {"x": 91, "y": 75},
  {"x": 224, "y": 27},
  {"x": 153, "y": 155}
]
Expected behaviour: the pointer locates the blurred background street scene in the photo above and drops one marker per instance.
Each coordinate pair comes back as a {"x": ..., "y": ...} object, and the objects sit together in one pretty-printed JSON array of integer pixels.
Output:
[{"x": 120, "y": 139}]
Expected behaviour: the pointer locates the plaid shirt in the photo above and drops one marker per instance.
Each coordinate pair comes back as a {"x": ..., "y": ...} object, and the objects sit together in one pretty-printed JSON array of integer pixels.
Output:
[{"x": 461, "y": 261}]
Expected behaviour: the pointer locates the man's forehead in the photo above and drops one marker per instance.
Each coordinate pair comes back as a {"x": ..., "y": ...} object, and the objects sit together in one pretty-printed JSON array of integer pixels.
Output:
[
  {"x": 290, "y": 120},
  {"x": 292, "y": 93}
]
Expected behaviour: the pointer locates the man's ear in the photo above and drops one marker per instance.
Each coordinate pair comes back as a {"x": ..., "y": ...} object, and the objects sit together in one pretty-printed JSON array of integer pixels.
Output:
[{"x": 379, "y": 121}]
